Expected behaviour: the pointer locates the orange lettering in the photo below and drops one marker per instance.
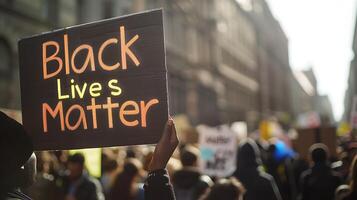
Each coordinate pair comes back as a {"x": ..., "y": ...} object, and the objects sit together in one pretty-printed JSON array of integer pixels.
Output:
[
  {"x": 100, "y": 54},
  {"x": 90, "y": 58},
  {"x": 144, "y": 108},
  {"x": 53, "y": 57},
  {"x": 124, "y": 47},
  {"x": 81, "y": 118},
  {"x": 66, "y": 54},
  {"x": 93, "y": 107},
  {"x": 58, "y": 110},
  {"x": 109, "y": 106},
  {"x": 124, "y": 112}
]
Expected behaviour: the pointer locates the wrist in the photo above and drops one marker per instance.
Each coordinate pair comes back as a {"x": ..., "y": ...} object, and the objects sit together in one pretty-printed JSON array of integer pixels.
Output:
[
  {"x": 155, "y": 167},
  {"x": 157, "y": 172}
]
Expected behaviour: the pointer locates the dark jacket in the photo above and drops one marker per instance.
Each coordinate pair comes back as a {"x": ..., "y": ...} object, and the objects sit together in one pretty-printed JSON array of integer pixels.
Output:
[
  {"x": 157, "y": 186},
  {"x": 189, "y": 184},
  {"x": 85, "y": 188},
  {"x": 351, "y": 196},
  {"x": 15, "y": 195},
  {"x": 259, "y": 184},
  {"x": 319, "y": 182}
]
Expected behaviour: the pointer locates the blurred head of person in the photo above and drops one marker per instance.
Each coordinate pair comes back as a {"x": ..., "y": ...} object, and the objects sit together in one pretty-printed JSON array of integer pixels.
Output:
[
  {"x": 46, "y": 162},
  {"x": 75, "y": 166},
  {"x": 17, "y": 168},
  {"x": 124, "y": 186},
  {"x": 227, "y": 189},
  {"x": 110, "y": 166},
  {"x": 130, "y": 153},
  {"x": 248, "y": 155},
  {"x": 319, "y": 153},
  {"x": 189, "y": 156},
  {"x": 173, "y": 165}
]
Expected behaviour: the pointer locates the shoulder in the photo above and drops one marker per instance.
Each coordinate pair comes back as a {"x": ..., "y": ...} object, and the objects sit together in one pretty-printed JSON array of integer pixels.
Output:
[
  {"x": 90, "y": 182},
  {"x": 267, "y": 177},
  {"x": 204, "y": 179},
  {"x": 305, "y": 174},
  {"x": 342, "y": 191},
  {"x": 16, "y": 195}
]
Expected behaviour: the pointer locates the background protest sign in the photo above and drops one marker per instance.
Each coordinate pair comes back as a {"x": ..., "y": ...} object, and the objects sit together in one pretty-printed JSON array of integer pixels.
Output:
[
  {"x": 307, "y": 137},
  {"x": 95, "y": 85},
  {"x": 218, "y": 149}
]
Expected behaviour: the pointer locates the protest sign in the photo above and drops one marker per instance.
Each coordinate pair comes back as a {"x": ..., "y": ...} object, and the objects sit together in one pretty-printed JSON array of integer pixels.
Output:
[
  {"x": 95, "y": 85},
  {"x": 218, "y": 149},
  {"x": 308, "y": 137}
]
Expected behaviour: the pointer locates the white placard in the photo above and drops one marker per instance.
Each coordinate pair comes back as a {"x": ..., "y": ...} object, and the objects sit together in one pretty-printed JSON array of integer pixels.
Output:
[{"x": 218, "y": 149}]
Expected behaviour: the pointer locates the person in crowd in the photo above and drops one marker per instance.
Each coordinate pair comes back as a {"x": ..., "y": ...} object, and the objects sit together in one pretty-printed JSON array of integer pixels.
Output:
[
  {"x": 227, "y": 189},
  {"x": 77, "y": 184},
  {"x": 299, "y": 166},
  {"x": 126, "y": 186},
  {"x": 18, "y": 169},
  {"x": 188, "y": 182},
  {"x": 110, "y": 169},
  {"x": 280, "y": 167},
  {"x": 345, "y": 166},
  {"x": 319, "y": 182},
  {"x": 349, "y": 192},
  {"x": 259, "y": 184},
  {"x": 18, "y": 165}
]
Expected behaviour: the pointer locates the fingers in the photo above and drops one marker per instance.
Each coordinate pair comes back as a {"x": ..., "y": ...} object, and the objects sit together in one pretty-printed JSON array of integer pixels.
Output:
[
  {"x": 174, "y": 137},
  {"x": 167, "y": 129},
  {"x": 170, "y": 125}
]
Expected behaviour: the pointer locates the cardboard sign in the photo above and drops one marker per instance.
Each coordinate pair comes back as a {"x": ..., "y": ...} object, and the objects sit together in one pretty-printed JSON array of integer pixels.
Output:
[
  {"x": 308, "y": 137},
  {"x": 95, "y": 85},
  {"x": 218, "y": 148}
]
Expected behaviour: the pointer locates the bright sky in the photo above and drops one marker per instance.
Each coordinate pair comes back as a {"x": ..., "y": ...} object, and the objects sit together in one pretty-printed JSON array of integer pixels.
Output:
[{"x": 320, "y": 35}]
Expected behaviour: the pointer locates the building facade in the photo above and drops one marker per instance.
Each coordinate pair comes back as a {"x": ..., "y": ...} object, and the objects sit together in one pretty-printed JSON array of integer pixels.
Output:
[
  {"x": 351, "y": 90},
  {"x": 227, "y": 59},
  {"x": 18, "y": 19},
  {"x": 273, "y": 59},
  {"x": 307, "y": 102}
]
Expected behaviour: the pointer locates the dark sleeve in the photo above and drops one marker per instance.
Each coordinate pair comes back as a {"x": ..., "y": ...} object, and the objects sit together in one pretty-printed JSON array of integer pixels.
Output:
[
  {"x": 275, "y": 190},
  {"x": 304, "y": 187},
  {"x": 158, "y": 186}
]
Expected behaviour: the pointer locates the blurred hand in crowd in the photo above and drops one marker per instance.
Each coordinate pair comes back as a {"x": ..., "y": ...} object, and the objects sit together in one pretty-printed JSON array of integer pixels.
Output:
[{"x": 165, "y": 148}]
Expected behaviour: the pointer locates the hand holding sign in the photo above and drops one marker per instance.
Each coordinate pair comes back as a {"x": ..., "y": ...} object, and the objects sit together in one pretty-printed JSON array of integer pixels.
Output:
[{"x": 165, "y": 148}]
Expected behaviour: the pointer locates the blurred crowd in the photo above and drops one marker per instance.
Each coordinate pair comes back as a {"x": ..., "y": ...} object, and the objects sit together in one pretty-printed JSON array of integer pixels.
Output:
[{"x": 261, "y": 172}]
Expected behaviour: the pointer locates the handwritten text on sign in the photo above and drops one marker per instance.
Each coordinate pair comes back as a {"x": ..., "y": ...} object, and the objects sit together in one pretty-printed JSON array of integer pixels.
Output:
[
  {"x": 99, "y": 84},
  {"x": 218, "y": 148}
]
